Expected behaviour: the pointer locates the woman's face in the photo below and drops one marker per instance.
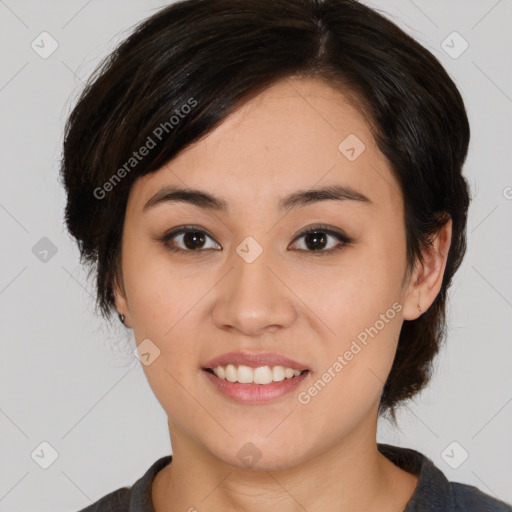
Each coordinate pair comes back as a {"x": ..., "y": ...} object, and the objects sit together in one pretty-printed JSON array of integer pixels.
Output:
[{"x": 247, "y": 280}]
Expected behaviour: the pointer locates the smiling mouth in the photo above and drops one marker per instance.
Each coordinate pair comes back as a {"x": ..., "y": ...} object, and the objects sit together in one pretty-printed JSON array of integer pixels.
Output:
[{"x": 260, "y": 375}]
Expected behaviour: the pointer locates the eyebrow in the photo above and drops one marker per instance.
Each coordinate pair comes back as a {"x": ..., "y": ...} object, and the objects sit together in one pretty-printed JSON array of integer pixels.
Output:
[{"x": 299, "y": 199}]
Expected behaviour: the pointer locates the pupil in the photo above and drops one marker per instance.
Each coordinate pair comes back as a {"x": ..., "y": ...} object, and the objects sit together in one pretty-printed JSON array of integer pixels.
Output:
[
  {"x": 315, "y": 237},
  {"x": 192, "y": 239}
]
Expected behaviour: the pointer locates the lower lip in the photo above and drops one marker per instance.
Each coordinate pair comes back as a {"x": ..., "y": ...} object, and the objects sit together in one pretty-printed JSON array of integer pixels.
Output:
[{"x": 255, "y": 393}]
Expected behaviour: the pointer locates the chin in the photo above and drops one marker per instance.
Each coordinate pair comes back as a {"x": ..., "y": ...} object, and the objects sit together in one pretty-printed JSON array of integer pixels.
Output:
[{"x": 258, "y": 455}]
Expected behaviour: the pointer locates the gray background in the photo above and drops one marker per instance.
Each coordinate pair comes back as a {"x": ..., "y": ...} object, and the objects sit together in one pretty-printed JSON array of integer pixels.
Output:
[{"x": 66, "y": 378}]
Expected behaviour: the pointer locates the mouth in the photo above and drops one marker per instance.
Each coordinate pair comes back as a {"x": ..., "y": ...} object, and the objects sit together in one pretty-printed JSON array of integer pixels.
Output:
[
  {"x": 261, "y": 375},
  {"x": 258, "y": 383},
  {"x": 254, "y": 377}
]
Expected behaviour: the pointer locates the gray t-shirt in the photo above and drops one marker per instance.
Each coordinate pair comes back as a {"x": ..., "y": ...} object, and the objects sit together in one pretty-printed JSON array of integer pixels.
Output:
[{"x": 434, "y": 493}]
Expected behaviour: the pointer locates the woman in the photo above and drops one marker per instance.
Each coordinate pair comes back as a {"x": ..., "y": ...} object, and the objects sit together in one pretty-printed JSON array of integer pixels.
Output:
[{"x": 271, "y": 194}]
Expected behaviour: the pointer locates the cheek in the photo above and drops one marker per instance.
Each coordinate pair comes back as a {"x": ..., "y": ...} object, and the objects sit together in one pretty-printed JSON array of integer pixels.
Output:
[
  {"x": 162, "y": 309},
  {"x": 351, "y": 295},
  {"x": 161, "y": 293},
  {"x": 359, "y": 302}
]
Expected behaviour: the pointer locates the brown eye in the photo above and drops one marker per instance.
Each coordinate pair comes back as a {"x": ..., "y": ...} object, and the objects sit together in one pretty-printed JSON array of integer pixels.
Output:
[
  {"x": 318, "y": 240},
  {"x": 193, "y": 239},
  {"x": 322, "y": 240},
  {"x": 187, "y": 239}
]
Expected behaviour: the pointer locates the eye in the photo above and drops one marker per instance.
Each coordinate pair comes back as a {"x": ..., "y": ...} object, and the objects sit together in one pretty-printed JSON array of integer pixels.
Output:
[
  {"x": 192, "y": 239},
  {"x": 316, "y": 239}
]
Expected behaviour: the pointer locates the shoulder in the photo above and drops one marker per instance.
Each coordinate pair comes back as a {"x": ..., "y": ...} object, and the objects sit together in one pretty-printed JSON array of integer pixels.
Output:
[
  {"x": 116, "y": 501},
  {"x": 468, "y": 498},
  {"x": 434, "y": 492},
  {"x": 136, "y": 498}
]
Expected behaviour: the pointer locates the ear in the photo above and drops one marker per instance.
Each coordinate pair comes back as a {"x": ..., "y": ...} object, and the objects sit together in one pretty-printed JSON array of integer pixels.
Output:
[
  {"x": 427, "y": 277},
  {"x": 121, "y": 301}
]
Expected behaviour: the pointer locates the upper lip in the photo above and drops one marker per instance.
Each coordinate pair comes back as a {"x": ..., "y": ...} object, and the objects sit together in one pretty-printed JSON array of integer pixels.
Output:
[{"x": 254, "y": 359}]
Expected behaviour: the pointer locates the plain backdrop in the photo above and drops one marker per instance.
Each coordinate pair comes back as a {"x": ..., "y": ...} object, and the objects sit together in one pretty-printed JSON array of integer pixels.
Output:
[{"x": 69, "y": 388}]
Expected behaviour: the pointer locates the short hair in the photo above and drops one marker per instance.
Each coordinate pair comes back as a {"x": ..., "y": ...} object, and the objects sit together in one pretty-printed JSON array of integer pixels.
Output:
[{"x": 182, "y": 71}]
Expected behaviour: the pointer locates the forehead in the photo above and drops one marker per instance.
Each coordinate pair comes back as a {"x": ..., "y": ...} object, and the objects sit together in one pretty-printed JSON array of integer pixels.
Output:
[{"x": 297, "y": 134}]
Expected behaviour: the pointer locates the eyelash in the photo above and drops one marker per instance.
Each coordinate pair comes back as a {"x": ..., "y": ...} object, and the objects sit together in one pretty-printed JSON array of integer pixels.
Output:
[{"x": 342, "y": 238}]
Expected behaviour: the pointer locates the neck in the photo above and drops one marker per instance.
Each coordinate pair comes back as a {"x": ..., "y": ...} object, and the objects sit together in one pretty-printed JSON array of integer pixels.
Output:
[{"x": 351, "y": 476}]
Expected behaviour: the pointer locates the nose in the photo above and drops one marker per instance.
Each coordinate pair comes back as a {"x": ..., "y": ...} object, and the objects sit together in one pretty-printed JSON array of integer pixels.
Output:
[{"x": 254, "y": 297}]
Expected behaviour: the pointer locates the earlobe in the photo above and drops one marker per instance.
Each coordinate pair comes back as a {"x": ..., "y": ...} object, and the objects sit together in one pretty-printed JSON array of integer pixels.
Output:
[
  {"x": 427, "y": 277},
  {"x": 121, "y": 304}
]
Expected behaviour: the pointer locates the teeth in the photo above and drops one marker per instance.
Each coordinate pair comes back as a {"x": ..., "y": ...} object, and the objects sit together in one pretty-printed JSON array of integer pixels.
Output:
[
  {"x": 231, "y": 373},
  {"x": 288, "y": 373},
  {"x": 221, "y": 372},
  {"x": 260, "y": 375},
  {"x": 245, "y": 374},
  {"x": 263, "y": 375},
  {"x": 277, "y": 373}
]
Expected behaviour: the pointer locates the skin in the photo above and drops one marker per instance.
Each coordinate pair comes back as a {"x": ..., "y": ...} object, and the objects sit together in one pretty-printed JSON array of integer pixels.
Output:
[{"x": 197, "y": 305}]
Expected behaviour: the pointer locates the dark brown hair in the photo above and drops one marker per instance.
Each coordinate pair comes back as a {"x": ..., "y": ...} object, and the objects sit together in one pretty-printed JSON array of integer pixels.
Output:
[{"x": 183, "y": 70}]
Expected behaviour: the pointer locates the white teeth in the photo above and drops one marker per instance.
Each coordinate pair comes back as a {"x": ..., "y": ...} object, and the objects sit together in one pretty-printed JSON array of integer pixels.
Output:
[
  {"x": 278, "y": 373},
  {"x": 288, "y": 373},
  {"x": 245, "y": 374},
  {"x": 260, "y": 375},
  {"x": 221, "y": 372},
  {"x": 231, "y": 373}
]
